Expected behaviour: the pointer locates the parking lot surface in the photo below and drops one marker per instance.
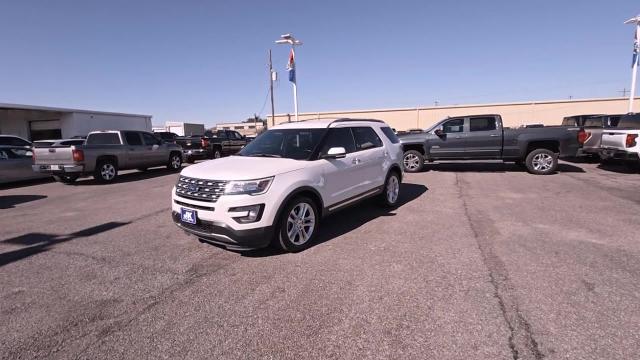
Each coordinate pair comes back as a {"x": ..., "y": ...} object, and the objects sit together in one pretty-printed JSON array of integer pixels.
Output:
[{"x": 481, "y": 261}]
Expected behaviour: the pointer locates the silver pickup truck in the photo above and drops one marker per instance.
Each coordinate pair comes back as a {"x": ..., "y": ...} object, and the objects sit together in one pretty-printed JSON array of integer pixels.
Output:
[{"x": 104, "y": 153}]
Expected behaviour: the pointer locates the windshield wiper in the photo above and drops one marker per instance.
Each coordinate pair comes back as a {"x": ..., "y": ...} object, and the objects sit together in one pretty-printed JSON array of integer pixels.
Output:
[{"x": 265, "y": 155}]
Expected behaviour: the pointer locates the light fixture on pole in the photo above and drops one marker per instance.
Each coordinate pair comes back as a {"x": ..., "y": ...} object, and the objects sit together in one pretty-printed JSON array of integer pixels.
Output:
[
  {"x": 636, "y": 59},
  {"x": 291, "y": 66}
]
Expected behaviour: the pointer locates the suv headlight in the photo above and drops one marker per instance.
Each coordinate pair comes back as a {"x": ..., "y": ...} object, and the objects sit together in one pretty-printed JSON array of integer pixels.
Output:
[{"x": 248, "y": 187}]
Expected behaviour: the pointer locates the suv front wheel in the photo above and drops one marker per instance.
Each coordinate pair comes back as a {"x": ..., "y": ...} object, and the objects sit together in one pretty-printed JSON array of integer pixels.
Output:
[
  {"x": 391, "y": 191},
  {"x": 298, "y": 225}
]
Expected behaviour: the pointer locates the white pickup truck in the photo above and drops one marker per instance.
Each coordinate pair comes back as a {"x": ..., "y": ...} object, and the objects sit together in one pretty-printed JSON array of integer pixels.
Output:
[
  {"x": 623, "y": 142},
  {"x": 104, "y": 153}
]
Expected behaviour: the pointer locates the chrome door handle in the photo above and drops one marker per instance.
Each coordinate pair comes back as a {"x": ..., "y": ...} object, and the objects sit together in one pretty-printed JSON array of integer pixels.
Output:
[
  {"x": 356, "y": 161},
  {"x": 494, "y": 135},
  {"x": 458, "y": 137}
]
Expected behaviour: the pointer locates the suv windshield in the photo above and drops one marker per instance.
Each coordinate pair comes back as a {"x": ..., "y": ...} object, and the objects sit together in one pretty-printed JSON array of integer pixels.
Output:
[{"x": 297, "y": 144}]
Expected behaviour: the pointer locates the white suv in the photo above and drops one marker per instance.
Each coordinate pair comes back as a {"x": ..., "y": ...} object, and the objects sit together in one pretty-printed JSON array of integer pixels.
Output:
[{"x": 281, "y": 184}]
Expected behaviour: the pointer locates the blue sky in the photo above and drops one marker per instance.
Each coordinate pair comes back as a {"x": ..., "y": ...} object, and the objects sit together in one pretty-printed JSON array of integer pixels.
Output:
[{"x": 206, "y": 61}]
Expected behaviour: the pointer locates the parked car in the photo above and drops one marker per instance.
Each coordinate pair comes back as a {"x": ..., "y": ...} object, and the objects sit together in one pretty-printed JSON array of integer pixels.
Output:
[
  {"x": 193, "y": 148},
  {"x": 57, "y": 143},
  {"x": 223, "y": 142},
  {"x": 11, "y": 140},
  {"x": 166, "y": 136},
  {"x": 594, "y": 127},
  {"x": 280, "y": 185},
  {"x": 622, "y": 142},
  {"x": 482, "y": 137},
  {"x": 15, "y": 164},
  {"x": 105, "y": 153}
]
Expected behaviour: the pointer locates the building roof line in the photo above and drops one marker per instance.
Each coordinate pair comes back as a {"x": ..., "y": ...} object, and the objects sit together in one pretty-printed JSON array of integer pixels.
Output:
[{"x": 4, "y": 106}]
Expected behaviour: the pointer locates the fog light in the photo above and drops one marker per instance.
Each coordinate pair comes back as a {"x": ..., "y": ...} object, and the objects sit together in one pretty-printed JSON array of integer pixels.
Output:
[{"x": 247, "y": 214}]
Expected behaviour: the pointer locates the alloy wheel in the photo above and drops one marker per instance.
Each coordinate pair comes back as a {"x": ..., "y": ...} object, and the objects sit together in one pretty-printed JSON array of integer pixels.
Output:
[
  {"x": 108, "y": 171},
  {"x": 411, "y": 162},
  {"x": 301, "y": 223},
  {"x": 393, "y": 188},
  {"x": 542, "y": 162}
]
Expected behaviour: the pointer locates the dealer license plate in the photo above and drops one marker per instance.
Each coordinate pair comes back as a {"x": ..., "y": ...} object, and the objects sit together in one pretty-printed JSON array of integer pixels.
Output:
[{"x": 189, "y": 216}]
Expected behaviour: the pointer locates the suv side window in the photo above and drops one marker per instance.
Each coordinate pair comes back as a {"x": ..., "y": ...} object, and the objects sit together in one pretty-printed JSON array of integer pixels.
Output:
[
  {"x": 366, "y": 138},
  {"x": 453, "y": 126},
  {"x": 149, "y": 139},
  {"x": 482, "y": 123},
  {"x": 132, "y": 138},
  {"x": 339, "y": 137},
  {"x": 390, "y": 135}
]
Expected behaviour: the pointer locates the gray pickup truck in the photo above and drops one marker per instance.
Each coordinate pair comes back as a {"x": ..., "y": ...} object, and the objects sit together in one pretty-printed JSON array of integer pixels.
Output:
[
  {"x": 104, "y": 153},
  {"x": 482, "y": 137}
]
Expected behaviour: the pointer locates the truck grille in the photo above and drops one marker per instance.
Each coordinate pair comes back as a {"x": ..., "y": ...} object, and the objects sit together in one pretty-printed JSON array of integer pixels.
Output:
[{"x": 200, "y": 189}]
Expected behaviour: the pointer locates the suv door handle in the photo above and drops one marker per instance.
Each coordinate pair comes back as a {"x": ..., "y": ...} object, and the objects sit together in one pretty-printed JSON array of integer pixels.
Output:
[
  {"x": 356, "y": 161},
  {"x": 458, "y": 137},
  {"x": 494, "y": 135}
]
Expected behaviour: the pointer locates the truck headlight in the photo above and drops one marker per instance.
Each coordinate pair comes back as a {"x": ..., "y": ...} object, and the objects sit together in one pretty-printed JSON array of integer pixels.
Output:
[
  {"x": 248, "y": 187},
  {"x": 246, "y": 214}
]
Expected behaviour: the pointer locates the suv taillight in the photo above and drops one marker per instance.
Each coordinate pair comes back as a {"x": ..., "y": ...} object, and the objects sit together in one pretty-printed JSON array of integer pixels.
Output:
[
  {"x": 583, "y": 136},
  {"x": 204, "y": 142},
  {"x": 631, "y": 140},
  {"x": 78, "y": 155}
]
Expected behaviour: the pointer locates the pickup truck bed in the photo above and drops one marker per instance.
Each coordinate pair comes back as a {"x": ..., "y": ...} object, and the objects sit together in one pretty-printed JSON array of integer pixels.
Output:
[
  {"x": 623, "y": 142},
  {"x": 483, "y": 137}
]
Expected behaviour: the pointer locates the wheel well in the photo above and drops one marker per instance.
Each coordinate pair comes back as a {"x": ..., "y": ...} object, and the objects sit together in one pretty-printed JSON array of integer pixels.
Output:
[
  {"x": 417, "y": 147},
  {"x": 216, "y": 146},
  {"x": 112, "y": 158},
  {"x": 176, "y": 152},
  {"x": 395, "y": 168},
  {"x": 311, "y": 195},
  {"x": 548, "y": 144}
]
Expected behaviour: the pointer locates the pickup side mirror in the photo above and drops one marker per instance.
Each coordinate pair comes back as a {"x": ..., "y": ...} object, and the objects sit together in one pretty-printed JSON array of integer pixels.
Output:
[
  {"x": 439, "y": 132},
  {"x": 335, "y": 153}
]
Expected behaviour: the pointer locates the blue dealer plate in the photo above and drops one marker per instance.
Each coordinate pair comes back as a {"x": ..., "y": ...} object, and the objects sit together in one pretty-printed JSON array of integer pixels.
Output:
[{"x": 189, "y": 216}]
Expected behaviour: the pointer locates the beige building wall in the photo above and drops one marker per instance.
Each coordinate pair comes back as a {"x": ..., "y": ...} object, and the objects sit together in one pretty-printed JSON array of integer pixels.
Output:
[
  {"x": 247, "y": 129},
  {"x": 513, "y": 114}
]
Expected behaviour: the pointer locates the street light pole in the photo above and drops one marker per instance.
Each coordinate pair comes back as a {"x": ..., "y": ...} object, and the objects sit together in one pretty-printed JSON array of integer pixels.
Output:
[
  {"x": 271, "y": 80},
  {"x": 291, "y": 66},
  {"x": 636, "y": 59}
]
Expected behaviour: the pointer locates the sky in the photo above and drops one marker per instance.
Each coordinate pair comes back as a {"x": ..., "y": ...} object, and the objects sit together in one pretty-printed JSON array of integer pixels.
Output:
[{"x": 206, "y": 61}]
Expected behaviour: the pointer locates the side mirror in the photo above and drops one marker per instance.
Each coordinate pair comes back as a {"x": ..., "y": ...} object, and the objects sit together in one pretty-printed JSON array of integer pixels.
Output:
[
  {"x": 439, "y": 132},
  {"x": 335, "y": 153}
]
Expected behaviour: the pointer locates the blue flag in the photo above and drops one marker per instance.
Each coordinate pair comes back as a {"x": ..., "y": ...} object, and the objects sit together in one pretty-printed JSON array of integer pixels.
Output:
[{"x": 291, "y": 67}]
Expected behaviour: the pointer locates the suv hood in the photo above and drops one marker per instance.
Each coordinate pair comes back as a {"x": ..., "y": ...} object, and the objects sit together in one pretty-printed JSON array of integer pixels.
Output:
[{"x": 242, "y": 168}]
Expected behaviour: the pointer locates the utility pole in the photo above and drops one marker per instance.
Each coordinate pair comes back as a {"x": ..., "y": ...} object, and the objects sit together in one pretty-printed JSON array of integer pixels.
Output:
[
  {"x": 636, "y": 59},
  {"x": 272, "y": 78},
  {"x": 624, "y": 92}
]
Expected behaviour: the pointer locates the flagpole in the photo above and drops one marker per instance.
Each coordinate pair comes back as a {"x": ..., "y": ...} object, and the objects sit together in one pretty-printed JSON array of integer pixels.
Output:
[
  {"x": 636, "y": 59},
  {"x": 295, "y": 89},
  {"x": 291, "y": 67}
]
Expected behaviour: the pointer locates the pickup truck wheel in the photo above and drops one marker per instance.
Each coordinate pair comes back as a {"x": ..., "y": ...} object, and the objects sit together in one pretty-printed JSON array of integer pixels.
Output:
[
  {"x": 189, "y": 160},
  {"x": 65, "y": 179},
  {"x": 217, "y": 154},
  {"x": 542, "y": 162},
  {"x": 106, "y": 171},
  {"x": 175, "y": 162},
  {"x": 298, "y": 225},
  {"x": 413, "y": 161}
]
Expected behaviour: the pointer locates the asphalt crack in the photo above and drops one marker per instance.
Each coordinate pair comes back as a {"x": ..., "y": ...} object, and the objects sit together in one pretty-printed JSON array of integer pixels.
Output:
[{"x": 521, "y": 340}]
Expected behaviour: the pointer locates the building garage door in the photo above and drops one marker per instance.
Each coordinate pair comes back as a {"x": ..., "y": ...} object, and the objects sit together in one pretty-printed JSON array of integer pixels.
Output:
[{"x": 45, "y": 130}]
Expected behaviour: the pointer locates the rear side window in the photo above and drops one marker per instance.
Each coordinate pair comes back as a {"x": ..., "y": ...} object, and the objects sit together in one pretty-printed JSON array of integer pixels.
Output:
[
  {"x": 103, "y": 139},
  {"x": 149, "y": 139},
  {"x": 339, "y": 137},
  {"x": 482, "y": 124},
  {"x": 390, "y": 135},
  {"x": 366, "y": 138},
  {"x": 132, "y": 138}
]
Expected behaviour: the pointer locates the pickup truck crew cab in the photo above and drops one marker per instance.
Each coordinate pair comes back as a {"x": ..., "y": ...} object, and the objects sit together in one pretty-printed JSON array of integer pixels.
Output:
[
  {"x": 223, "y": 142},
  {"x": 283, "y": 182},
  {"x": 105, "y": 153},
  {"x": 482, "y": 137},
  {"x": 623, "y": 142}
]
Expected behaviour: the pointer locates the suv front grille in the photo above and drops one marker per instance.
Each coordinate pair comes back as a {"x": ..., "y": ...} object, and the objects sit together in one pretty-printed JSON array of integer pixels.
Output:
[{"x": 200, "y": 189}]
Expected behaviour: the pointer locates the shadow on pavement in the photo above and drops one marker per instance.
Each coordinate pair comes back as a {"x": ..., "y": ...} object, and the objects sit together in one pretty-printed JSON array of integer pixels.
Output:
[
  {"x": 350, "y": 219},
  {"x": 10, "y": 201},
  {"x": 25, "y": 183},
  {"x": 128, "y": 177},
  {"x": 492, "y": 167},
  {"x": 39, "y": 242},
  {"x": 619, "y": 166}
]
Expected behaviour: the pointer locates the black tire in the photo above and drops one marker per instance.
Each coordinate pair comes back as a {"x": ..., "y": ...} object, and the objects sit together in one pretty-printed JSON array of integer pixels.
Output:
[
  {"x": 175, "y": 162},
  {"x": 287, "y": 226},
  {"x": 391, "y": 193},
  {"x": 216, "y": 154},
  {"x": 66, "y": 179},
  {"x": 542, "y": 162},
  {"x": 189, "y": 160},
  {"x": 413, "y": 161},
  {"x": 106, "y": 171}
]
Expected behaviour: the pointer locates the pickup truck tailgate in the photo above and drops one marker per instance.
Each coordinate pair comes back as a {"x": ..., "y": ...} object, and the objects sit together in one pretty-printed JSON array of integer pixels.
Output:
[
  {"x": 616, "y": 139},
  {"x": 53, "y": 155}
]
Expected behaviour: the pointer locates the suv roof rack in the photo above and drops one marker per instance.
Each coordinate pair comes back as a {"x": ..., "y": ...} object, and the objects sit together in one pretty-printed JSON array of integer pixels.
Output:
[{"x": 353, "y": 120}]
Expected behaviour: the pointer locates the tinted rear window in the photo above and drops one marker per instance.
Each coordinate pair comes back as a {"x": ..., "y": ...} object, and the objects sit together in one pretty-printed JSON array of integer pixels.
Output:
[
  {"x": 630, "y": 121},
  {"x": 390, "y": 135},
  {"x": 594, "y": 122},
  {"x": 103, "y": 139},
  {"x": 13, "y": 141}
]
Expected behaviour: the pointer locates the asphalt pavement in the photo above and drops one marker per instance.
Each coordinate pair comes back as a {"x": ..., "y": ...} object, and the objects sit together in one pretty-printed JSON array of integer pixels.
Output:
[{"x": 480, "y": 261}]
